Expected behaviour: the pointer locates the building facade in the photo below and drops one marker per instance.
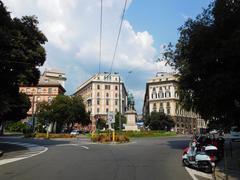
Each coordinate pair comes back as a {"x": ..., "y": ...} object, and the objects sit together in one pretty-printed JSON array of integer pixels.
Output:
[
  {"x": 161, "y": 96},
  {"x": 47, "y": 88},
  {"x": 103, "y": 93},
  {"x": 54, "y": 75}
]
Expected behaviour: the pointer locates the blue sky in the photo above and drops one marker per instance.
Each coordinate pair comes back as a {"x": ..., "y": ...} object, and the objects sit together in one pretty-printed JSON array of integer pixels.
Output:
[
  {"x": 162, "y": 18},
  {"x": 72, "y": 29}
]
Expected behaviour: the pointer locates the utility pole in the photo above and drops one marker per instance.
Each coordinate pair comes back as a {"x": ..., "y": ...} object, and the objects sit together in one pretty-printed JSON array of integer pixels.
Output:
[{"x": 120, "y": 121}]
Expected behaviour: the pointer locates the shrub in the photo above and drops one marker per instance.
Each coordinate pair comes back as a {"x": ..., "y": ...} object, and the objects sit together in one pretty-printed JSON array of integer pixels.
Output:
[
  {"x": 106, "y": 138},
  {"x": 44, "y": 135}
]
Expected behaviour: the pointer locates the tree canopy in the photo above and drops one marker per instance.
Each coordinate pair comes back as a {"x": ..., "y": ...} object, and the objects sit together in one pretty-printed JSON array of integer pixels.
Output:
[
  {"x": 63, "y": 110},
  {"x": 21, "y": 53},
  {"x": 207, "y": 59},
  {"x": 159, "y": 121}
]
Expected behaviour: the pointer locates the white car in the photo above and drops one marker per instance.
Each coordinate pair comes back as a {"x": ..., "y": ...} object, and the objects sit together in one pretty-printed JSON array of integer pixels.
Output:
[
  {"x": 74, "y": 132},
  {"x": 235, "y": 133}
]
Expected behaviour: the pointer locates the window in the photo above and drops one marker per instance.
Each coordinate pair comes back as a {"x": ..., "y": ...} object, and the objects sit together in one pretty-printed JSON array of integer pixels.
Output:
[
  {"x": 116, "y": 87},
  {"x": 49, "y": 90},
  {"x": 154, "y": 107},
  {"x": 97, "y": 110},
  {"x": 168, "y": 104},
  {"x": 106, "y": 110},
  {"x": 98, "y": 101},
  {"x": 98, "y": 94},
  {"x": 116, "y": 102},
  {"x": 107, "y": 95},
  {"x": 107, "y": 87},
  {"x": 98, "y": 86},
  {"x": 116, "y": 95},
  {"x": 107, "y": 101},
  {"x": 168, "y": 111}
]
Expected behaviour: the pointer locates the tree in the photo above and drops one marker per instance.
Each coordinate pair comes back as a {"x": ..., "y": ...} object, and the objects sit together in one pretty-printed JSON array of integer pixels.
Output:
[
  {"x": 207, "y": 60},
  {"x": 63, "y": 110},
  {"x": 123, "y": 121},
  {"x": 159, "y": 121},
  {"x": 101, "y": 123},
  {"x": 21, "y": 52}
]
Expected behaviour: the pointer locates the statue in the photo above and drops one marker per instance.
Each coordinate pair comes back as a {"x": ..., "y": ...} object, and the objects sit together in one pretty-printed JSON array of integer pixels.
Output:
[{"x": 131, "y": 103}]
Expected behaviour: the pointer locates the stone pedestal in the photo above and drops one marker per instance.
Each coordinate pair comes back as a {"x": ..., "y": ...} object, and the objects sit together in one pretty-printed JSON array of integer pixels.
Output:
[{"x": 131, "y": 125}]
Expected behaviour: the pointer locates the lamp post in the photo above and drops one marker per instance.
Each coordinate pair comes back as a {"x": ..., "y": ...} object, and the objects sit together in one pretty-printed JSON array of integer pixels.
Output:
[{"x": 120, "y": 121}]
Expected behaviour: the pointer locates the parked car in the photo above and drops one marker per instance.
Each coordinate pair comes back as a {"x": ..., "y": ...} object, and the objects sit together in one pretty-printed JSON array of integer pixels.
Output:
[
  {"x": 75, "y": 132},
  {"x": 235, "y": 133}
]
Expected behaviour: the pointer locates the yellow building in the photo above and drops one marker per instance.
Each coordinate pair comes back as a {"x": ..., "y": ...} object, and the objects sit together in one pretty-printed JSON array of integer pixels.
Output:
[{"x": 103, "y": 93}]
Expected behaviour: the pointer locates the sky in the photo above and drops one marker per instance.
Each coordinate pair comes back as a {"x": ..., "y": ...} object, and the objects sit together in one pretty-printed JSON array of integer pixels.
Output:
[{"x": 72, "y": 28}]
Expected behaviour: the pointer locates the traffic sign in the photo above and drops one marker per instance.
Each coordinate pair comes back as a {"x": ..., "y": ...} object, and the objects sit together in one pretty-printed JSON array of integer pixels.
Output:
[{"x": 111, "y": 117}]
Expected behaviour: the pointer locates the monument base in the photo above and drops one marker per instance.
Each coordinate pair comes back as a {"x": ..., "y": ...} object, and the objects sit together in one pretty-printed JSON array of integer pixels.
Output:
[{"x": 131, "y": 116}]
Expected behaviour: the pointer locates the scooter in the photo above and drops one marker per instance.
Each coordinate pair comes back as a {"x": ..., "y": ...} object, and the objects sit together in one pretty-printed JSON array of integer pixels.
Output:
[{"x": 199, "y": 159}]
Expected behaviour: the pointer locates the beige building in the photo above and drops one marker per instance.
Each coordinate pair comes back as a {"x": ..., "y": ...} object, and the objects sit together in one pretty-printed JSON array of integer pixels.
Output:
[
  {"x": 103, "y": 93},
  {"x": 161, "y": 95},
  {"x": 49, "y": 86},
  {"x": 54, "y": 75}
]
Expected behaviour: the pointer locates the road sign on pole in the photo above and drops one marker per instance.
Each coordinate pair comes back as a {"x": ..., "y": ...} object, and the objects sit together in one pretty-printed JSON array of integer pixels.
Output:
[{"x": 111, "y": 117}]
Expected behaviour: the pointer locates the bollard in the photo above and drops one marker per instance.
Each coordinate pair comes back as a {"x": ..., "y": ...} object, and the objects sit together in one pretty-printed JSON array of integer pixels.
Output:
[{"x": 113, "y": 136}]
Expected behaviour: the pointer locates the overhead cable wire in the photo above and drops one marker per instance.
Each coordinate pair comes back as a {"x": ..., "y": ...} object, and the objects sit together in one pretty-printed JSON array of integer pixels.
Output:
[
  {"x": 100, "y": 40},
  {"x": 119, "y": 32}
]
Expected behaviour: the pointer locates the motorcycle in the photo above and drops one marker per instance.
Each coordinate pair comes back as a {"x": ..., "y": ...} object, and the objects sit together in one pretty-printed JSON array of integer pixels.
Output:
[{"x": 203, "y": 160}]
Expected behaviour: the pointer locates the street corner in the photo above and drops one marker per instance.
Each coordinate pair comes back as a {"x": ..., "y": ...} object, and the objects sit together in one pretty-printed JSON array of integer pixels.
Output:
[
  {"x": 15, "y": 151},
  {"x": 8, "y": 150}
]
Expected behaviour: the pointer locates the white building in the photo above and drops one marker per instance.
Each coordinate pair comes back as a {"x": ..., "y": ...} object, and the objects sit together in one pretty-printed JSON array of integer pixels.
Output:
[
  {"x": 54, "y": 76},
  {"x": 101, "y": 95},
  {"x": 162, "y": 95}
]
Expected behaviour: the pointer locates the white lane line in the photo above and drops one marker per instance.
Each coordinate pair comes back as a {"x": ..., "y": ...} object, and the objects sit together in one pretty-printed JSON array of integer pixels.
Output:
[
  {"x": 59, "y": 145},
  {"x": 25, "y": 155},
  {"x": 193, "y": 174},
  {"x": 85, "y": 147}
]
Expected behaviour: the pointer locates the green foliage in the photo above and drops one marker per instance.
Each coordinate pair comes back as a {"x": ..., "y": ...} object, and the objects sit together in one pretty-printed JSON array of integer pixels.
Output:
[
  {"x": 63, "y": 110},
  {"x": 207, "y": 59},
  {"x": 101, "y": 123},
  {"x": 159, "y": 121},
  {"x": 123, "y": 121},
  {"x": 21, "y": 53},
  {"x": 156, "y": 133},
  {"x": 50, "y": 135},
  {"x": 15, "y": 126}
]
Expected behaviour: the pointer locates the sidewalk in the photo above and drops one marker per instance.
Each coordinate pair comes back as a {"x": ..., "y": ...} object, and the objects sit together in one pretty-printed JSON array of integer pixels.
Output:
[
  {"x": 232, "y": 163},
  {"x": 11, "y": 150}
]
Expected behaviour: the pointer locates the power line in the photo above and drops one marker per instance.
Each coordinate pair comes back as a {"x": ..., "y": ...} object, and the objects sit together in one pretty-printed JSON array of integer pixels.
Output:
[
  {"x": 100, "y": 40},
  {"x": 120, "y": 28}
]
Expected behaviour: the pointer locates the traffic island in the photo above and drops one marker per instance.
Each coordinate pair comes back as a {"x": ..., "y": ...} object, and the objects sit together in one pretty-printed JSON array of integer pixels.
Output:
[{"x": 109, "y": 138}]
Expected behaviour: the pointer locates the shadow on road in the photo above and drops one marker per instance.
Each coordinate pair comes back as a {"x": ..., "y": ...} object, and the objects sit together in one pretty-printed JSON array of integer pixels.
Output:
[{"x": 178, "y": 144}]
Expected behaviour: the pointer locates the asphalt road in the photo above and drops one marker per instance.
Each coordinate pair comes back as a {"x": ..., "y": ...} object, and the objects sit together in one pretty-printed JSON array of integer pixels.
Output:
[{"x": 142, "y": 159}]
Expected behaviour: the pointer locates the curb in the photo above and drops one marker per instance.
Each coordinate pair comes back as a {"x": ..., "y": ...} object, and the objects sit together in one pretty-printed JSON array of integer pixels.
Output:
[{"x": 1, "y": 153}]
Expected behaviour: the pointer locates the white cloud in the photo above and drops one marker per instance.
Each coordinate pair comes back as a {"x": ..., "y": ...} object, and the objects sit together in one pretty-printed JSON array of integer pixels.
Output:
[{"x": 72, "y": 29}]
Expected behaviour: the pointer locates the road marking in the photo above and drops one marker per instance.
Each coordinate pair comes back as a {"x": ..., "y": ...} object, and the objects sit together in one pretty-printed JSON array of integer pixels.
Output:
[
  {"x": 193, "y": 174},
  {"x": 66, "y": 145},
  {"x": 33, "y": 148},
  {"x": 85, "y": 147}
]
